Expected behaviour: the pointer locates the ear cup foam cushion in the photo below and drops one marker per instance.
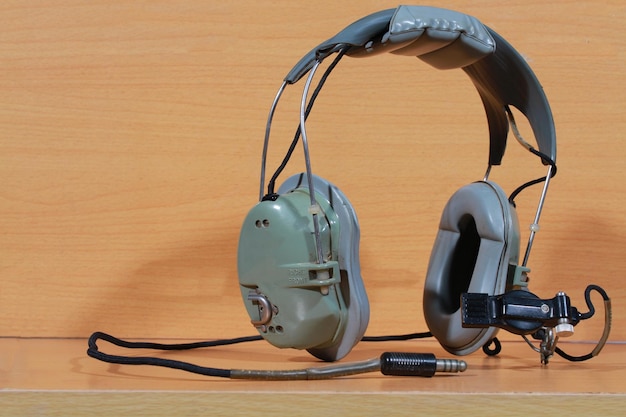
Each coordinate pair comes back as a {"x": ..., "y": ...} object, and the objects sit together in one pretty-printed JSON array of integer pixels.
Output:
[
  {"x": 478, "y": 237},
  {"x": 352, "y": 285}
]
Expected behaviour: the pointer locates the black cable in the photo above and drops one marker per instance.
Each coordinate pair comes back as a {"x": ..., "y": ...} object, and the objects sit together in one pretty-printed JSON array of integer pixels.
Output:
[
  {"x": 571, "y": 358},
  {"x": 590, "y": 306},
  {"x": 589, "y": 314},
  {"x": 92, "y": 342},
  {"x": 497, "y": 347},
  {"x": 95, "y": 353},
  {"x": 314, "y": 373},
  {"x": 546, "y": 159},
  {"x": 408, "y": 336},
  {"x": 272, "y": 183},
  {"x": 171, "y": 346}
]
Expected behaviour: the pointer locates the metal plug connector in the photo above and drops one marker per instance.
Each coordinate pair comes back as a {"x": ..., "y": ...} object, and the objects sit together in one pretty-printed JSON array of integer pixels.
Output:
[{"x": 418, "y": 364}]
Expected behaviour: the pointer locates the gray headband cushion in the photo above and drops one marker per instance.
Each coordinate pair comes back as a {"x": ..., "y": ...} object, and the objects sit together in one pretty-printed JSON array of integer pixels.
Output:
[
  {"x": 443, "y": 38},
  {"x": 449, "y": 39},
  {"x": 478, "y": 237}
]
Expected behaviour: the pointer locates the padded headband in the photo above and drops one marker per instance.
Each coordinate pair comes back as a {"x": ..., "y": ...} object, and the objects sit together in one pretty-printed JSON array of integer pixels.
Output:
[{"x": 447, "y": 39}]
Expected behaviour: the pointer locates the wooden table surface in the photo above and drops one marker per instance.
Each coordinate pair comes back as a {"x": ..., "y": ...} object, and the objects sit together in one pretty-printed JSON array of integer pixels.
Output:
[{"x": 56, "y": 376}]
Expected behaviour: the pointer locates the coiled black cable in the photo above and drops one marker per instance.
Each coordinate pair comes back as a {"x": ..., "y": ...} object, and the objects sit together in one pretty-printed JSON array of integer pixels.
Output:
[{"x": 589, "y": 314}]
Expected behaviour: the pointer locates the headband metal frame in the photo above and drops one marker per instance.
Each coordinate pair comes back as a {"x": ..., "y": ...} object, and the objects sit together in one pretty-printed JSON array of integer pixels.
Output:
[{"x": 314, "y": 207}]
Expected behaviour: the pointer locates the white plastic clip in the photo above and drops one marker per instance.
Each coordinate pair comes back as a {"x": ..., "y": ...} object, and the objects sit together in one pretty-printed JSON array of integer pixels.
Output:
[
  {"x": 534, "y": 227},
  {"x": 315, "y": 209}
]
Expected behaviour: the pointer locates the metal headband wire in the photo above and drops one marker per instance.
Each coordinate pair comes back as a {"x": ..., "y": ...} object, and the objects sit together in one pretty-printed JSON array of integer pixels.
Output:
[
  {"x": 266, "y": 142},
  {"x": 271, "y": 185},
  {"x": 314, "y": 208},
  {"x": 534, "y": 227}
]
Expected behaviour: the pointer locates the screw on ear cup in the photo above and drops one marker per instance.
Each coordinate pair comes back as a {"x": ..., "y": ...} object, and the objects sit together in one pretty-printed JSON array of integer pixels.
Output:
[
  {"x": 322, "y": 308},
  {"x": 477, "y": 240}
]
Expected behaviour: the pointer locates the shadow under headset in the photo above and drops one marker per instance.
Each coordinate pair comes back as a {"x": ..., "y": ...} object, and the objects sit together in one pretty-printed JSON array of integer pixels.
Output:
[{"x": 298, "y": 255}]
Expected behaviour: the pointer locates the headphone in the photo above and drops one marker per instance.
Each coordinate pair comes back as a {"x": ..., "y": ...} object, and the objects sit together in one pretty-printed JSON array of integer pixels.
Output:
[{"x": 298, "y": 253}]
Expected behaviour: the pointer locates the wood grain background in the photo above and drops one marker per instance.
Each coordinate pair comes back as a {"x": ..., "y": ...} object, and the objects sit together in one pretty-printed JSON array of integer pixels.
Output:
[{"x": 131, "y": 141}]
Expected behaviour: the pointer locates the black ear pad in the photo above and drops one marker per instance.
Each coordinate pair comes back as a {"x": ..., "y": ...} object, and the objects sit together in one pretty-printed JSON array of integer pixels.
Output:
[
  {"x": 292, "y": 300},
  {"x": 477, "y": 240}
]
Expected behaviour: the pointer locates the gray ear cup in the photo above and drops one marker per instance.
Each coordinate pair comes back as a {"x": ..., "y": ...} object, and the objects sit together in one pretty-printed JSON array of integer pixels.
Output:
[
  {"x": 292, "y": 300},
  {"x": 477, "y": 240}
]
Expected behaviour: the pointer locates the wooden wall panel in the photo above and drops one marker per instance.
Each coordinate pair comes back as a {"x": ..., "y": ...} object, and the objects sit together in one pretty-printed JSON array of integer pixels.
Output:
[{"x": 131, "y": 139}]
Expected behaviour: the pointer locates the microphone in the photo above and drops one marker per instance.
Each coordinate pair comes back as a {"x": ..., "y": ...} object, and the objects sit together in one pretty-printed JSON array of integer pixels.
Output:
[{"x": 522, "y": 312}]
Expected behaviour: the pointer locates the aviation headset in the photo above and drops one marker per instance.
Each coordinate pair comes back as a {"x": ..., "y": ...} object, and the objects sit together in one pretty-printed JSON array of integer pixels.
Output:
[{"x": 298, "y": 254}]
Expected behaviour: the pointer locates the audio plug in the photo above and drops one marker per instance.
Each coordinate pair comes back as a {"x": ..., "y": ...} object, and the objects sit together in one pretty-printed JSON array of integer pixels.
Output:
[
  {"x": 418, "y": 364},
  {"x": 389, "y": 363}
]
